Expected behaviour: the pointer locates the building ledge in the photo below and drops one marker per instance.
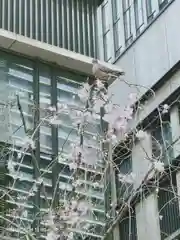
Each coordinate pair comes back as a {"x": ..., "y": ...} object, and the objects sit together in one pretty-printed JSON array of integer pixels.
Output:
[{"x": 59, "y": 56}]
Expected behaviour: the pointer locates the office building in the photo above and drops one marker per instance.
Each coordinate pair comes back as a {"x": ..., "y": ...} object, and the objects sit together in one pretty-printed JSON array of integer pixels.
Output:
[
  {"x": 145, "y": 44},
  {"x": 40, "y": 70}
]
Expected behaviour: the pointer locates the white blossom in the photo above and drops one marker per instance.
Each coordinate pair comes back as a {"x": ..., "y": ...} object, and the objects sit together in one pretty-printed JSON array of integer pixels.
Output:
[
  {"x": 140, "y": 134},
  {"x": 73, "y": 166},
  {"x": 165, "y": 108},
  {"x": 159, "y": 166},
  {"x": 99, "y": 84},
  {"x": 28, "y": 142},
  {"x": 51, "y": 236}
]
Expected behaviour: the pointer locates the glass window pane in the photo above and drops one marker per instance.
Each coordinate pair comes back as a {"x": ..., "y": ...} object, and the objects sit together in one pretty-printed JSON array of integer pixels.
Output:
[
  {"x": 116, "y": 9},
  {"x": 117, "y": 40},
  {"x": 45, "y": 103},
  {"x": 139, "y": 20},
  {"x": 107, "y": 47},
  {"x": 16, "y": 83},
  {"x": 105, "y": 17}
]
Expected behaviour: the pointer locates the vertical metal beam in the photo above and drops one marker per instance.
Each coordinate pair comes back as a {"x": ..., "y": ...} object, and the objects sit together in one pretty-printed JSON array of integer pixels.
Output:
[
  {"x": 54, "y": 132},
  {"x": 116, "y": 235},
  {"x": 36, "y": 153}
]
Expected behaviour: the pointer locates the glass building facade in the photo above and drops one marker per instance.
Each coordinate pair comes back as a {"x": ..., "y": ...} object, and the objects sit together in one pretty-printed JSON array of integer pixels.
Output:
[
  {"x": 122, "y": 22},
  {"x": 34, "y": 87},
  {"x": 69, "y": 24}
]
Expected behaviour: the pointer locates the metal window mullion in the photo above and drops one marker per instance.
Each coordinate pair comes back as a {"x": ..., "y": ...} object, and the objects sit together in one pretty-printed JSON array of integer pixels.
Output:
[
  {"x": 52, "y": 22},
  {"x": 63, "y": 20},
  {"x": 83, "y": 26},
  {"x": 31, "y": 16},
  {"x": 132, "y": 21},
  {"x": 26, "y": 21},
  {"x": 100, "y": 51},
  {"x": 47, "y": 21},
  {"x": 58, "y": 23},
  {"x": 36, "y": 153},
  {"x": 73, "y": 25},
  {"x": 54, "y": 132},
  {"x": 94, "y": 29},
  {"x": 90, "y": 29},
  {"x": 14, "y": 16},
  {"x": 20, "y": 17},
  {"x": 3, "y": 14},
  {"x": 111, "y": 29},
  {"x": 80, "y": 37},
  {"x": 36, "y": 19},
  {"x": 42, "y": 21},
  {"x": 9, "y": 16},
  {"x": 68, "y": 25}
]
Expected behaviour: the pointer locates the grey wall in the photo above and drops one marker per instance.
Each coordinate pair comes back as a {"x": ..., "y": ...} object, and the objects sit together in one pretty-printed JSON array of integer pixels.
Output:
[{"x": 151, "y": 56}]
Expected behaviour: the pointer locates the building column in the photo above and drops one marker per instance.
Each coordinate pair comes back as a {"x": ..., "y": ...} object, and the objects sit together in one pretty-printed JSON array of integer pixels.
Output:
[
  {"x": 141, "y": 158},
  {"x": 175, "y": 129},
  {"x": 147, "y": 218}
]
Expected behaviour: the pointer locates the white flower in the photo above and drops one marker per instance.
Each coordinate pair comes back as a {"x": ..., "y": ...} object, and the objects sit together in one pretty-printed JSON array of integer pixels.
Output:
[
  {"x": 39, "y": 180},
  {"x": 19, "y": 155},
  {"x": 77, "y": 183},
  {"x": 95, "y": 184},
  {"x": 83, "y": 207},
  {"x": 10, "y": 167},
  {"x": 28, "y": 142},
  {"x": 108, "y": 216},
  {"x": 51, "y": 236},
  {"x": 165, "y": 108},
  {"x": 52, "y": 108},
  {"x": 55, "y": 121},
  {"x": 127, "y": 178},
  {"x": 114, "y": 139},
  {"x": 159, "y": 166},
  {"x": 70, "y": 236},
  {"x": 140, "y": 134},
  {"x": 99, "y": 84},
  {"x": 72, "y": 166}
]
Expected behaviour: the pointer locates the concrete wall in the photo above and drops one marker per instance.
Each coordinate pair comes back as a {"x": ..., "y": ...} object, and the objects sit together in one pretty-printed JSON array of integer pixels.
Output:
[
  {"x": 152, "y": 55},
  {"x": 147, "y": 218},
  {"x": 141, "y": 156}
]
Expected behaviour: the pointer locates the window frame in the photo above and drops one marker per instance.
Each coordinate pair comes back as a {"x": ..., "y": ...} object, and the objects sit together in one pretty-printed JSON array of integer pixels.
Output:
[
  {"x": 136, "y": 16},
  {"x": 105, "y": 33},
  {"x": 162, "y": 4},
  {"x": 116, "y": 20},
  {"x": 127, "y": 10}
]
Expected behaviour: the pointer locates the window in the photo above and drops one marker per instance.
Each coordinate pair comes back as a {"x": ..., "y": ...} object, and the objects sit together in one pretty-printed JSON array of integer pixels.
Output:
[
  {"x": 116, "y": 27},
  {"x": 162, "y": 3},
  {"x": 127, "y": 226},
  {"x": 16, "y": 80},
  {"x": 122, "y": 159},
  {"x": 168, "y": 206},
  {"x": 161, "y": 140},
  {"x": 127, "y": 21},
  {"x": 150, "y": 9},
  {"x": 106, "y": 32},
  {"x": 139, "y": 18}
]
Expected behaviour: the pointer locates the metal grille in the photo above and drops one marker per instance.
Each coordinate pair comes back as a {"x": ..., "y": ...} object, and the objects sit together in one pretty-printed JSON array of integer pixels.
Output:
[
  {"x": 128, "y": 230},
  {"x": 68, "y": 24},
  {"x": 168, "y": 208}
]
